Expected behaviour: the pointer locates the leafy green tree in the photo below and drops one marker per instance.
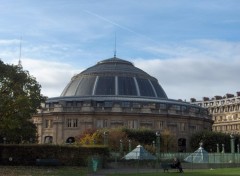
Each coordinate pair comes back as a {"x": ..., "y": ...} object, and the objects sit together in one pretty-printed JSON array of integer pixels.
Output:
[
  {"x": 210, "y": 140},
  {"x": 19, "y": 99}
]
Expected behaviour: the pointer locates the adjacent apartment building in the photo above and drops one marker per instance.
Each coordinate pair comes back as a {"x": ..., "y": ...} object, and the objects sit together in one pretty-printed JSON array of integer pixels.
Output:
[{"x": 225, "y": 111}]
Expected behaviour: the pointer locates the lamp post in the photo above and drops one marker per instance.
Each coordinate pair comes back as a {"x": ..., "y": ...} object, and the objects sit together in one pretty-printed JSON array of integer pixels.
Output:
[
  {"x": 232, "y": 142},
  {"x": 105, "y": 138},
  {"x": 158, "y": 144},
  {"x": 153, "y": 143},
  {"x": 129, "y": 145},
  {"x": 217, "y": 148},
  {"x": 121, "y": 147},
  {"x": 223, "y": 149}
]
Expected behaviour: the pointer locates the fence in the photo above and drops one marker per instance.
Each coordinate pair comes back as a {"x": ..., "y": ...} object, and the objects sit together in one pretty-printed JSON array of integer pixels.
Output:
[{"x": 118, "y": 164}]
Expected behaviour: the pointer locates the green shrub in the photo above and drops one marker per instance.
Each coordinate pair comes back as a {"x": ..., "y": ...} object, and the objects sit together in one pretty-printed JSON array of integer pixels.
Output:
[{"x": 67, "y": 154}]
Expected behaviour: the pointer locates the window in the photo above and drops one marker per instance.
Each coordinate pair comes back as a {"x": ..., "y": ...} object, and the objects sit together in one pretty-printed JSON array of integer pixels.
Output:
[
  {"x": 125, "y": 104},
  {"x": 163, "y": 106},
  {"x": 72, "y": 123},
  {"x": 126, "y": 86},
  {"x": 184, "y": 108},
  {"x": 48, "y": 123},
  {"x": 108, "y": 104},
  {"x": 182, "y": 127},
  {"x": 176, "y": 107},
  {"x": 192, "y": 128},
  {"x": 105, "y": 85},
  {"x": 132, "y": 124},
  {"x": 48, "y": 139},
  {"x": 69, "y": 104},
  {"x": 102, "y": 123},
  {"x": 145, "y": 87},
  {"x": 136, "y": 105},
  {"x": 159, "y": 125}
]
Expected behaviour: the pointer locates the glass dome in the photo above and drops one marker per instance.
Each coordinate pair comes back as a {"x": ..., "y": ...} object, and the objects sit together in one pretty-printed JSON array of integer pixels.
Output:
[{"x": 114, "y": 77}]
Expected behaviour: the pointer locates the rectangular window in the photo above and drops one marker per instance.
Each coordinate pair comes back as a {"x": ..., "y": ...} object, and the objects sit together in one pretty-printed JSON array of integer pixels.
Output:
[
  {"x": 163, "y": 106},
  {"x": 182, "y": 127},
  {"x": 159, "y": 125},
  {"x": 102, "y": 123},
  {"x": 72, "y": 123},
  {"x": 136, "y": 105},
  {"x": 176, "y": 107},
  {"x": 192, "y": 128},
  {"x": 132, "y": 124},
  {"x": 48, "y": 123},
  {"x": 108, "y": 104},
  {"x": 125, "y": 104},
  {"x": 99, "y": 123}
]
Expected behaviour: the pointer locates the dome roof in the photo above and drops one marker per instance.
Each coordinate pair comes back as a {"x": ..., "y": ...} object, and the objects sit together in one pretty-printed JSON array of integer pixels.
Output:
[{"x": 114, "y": 77}]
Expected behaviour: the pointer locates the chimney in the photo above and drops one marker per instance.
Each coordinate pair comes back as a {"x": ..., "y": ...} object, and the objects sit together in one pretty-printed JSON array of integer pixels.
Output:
[
  {"x": 205, "y": 99},
  {"x": 192, "y": 100},
  {"x": 229, "y": 95},
  {"x": 217, "y": 97}
]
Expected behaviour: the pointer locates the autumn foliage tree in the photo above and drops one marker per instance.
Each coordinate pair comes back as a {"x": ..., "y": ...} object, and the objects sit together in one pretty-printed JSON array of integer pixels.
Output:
[{"x": 19, "y": 98}]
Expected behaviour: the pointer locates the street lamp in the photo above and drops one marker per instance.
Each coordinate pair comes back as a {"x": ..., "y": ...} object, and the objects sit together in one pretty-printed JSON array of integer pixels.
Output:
[
  {"x": 153, "y": 143},
  {"x": 129, "y": 145},
  {"x": 121, "y": 147},
  {"x": 217, "y": 148},
  {"x": 223, "y": 149},
  {"x": 232, "y": 142},
  {"x": 158, "y": 144},
  {"x": 105, "y": 138}
]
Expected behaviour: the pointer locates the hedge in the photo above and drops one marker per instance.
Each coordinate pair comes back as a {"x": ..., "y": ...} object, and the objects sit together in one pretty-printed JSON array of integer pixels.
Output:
[{"x": 13, "y": 154}]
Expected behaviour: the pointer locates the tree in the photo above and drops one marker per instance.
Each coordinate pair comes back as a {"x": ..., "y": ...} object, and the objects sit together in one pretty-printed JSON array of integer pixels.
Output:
[
  {"x": 19, "y": 99},
  {"x": 168, "y": 139},
  {"x": 210, "y": 140}
]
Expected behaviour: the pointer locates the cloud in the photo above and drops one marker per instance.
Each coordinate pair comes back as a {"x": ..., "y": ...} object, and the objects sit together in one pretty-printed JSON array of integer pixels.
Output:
[
  {"x": 52, "y": 76},
  {"x": 207, "y": 68}
]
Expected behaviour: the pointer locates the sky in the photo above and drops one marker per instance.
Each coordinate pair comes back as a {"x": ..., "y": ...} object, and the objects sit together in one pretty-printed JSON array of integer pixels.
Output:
[{"x": 191, "y": 47}]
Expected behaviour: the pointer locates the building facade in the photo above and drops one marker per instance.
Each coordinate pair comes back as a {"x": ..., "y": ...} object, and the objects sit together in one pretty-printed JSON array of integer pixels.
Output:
[
  {"x": 225, "y": 111},
  {"x": 114, "y": 93}
]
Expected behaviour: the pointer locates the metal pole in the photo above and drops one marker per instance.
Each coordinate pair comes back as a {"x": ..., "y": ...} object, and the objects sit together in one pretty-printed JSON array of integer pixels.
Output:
[
  {"x": 129, "y": 145},
  {"x": 217, "y": 148},
  {"x": 105, "y": 138},
  {"x": 121, "y": 147},
  {"x": 153, "y": 144},
  {"x": 223, "y": 149},
  {"x": 158, "y": 144},
  {"x": 232, "y": 142}
]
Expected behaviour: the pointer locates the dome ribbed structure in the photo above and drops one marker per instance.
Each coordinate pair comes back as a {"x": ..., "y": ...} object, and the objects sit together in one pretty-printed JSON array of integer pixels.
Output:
[{"x": 114, "y": 77}]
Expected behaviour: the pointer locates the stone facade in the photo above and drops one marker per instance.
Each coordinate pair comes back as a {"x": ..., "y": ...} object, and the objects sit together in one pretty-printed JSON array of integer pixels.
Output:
[
  {"x": 114, "y": 94},
  {"x": 59, "y": 122},
  {"x": 225, "y": 111}
]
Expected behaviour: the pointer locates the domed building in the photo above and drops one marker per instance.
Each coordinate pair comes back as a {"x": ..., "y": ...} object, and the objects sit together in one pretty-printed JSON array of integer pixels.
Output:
[{"x": 114, "y": 93}]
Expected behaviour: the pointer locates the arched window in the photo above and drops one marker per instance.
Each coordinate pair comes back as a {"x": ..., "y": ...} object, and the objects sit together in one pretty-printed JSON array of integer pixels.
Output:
[
  {"x": 181, "y": 145},
  {"x": 48, "y": 139},
  {"x": 70, "y": 140}
]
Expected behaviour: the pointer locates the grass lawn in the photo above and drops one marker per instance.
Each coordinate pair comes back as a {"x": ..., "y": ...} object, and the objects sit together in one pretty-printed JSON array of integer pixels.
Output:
[
  {"x": 79, "y": 171},
  {"x": 41, "y": 171},
  {"x": 203, "y": 172}
]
